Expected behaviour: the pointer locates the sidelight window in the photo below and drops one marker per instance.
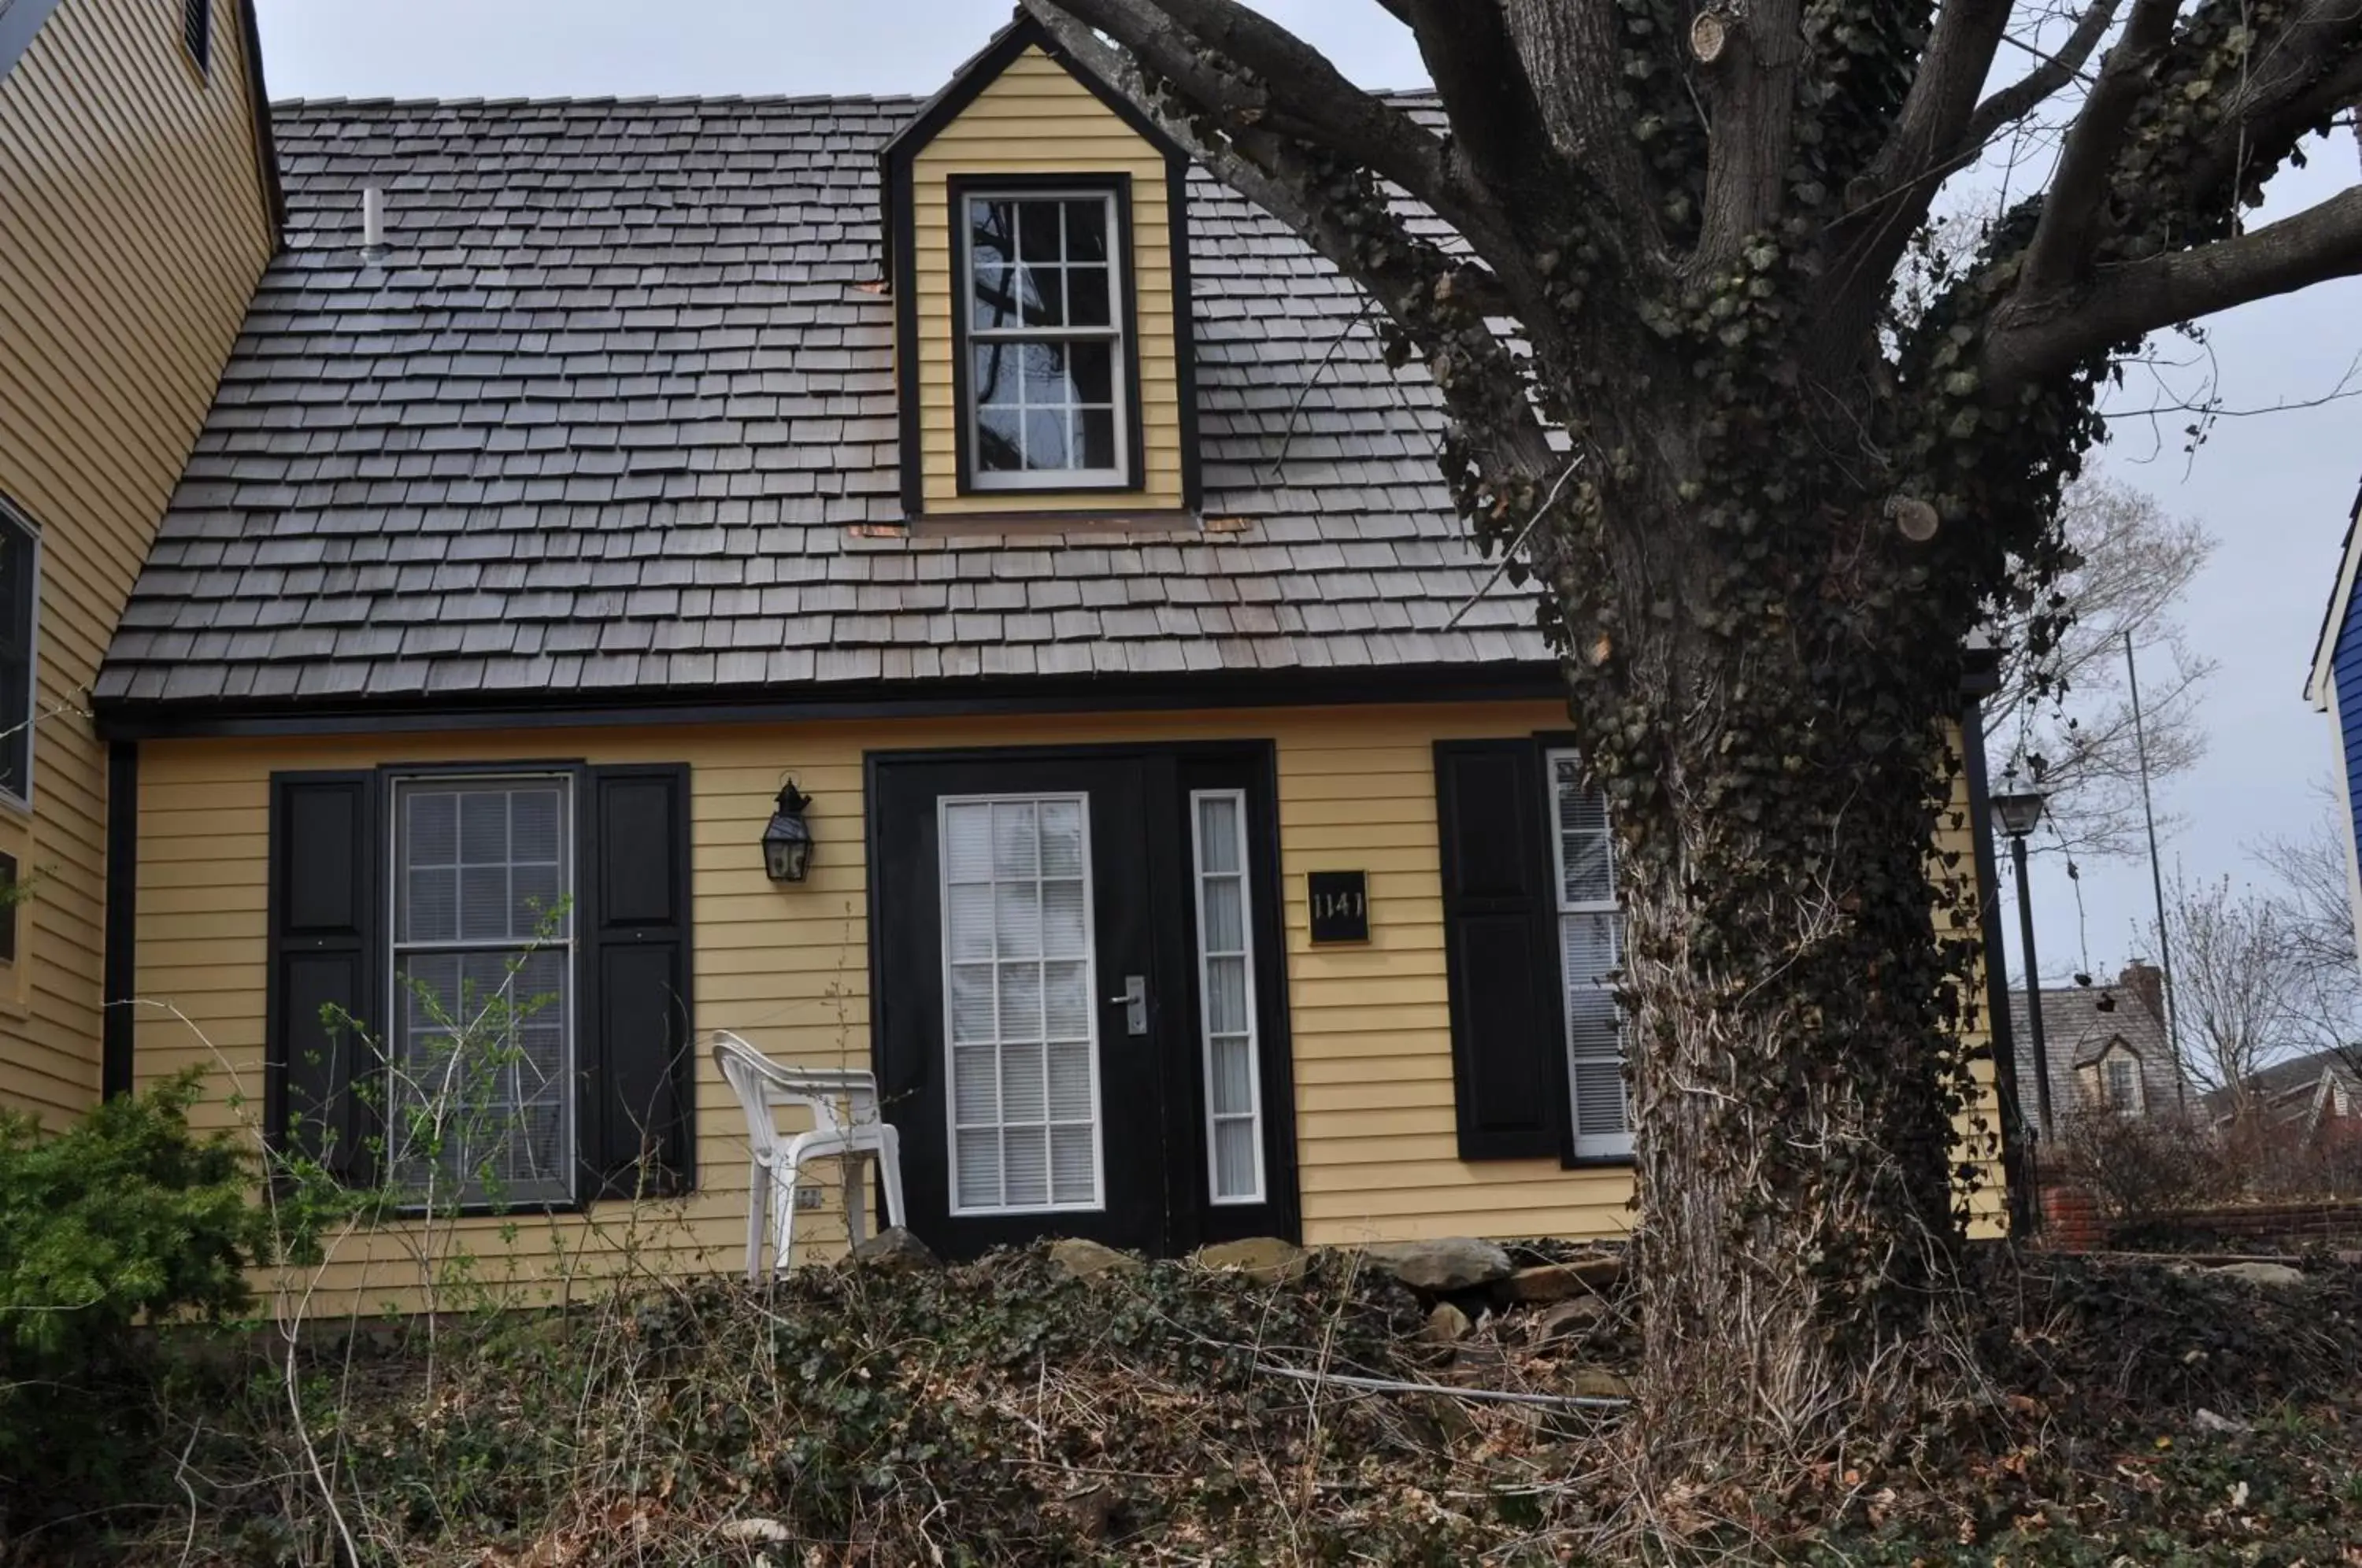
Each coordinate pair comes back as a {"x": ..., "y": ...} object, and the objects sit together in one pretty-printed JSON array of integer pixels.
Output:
[
  {"x": 1591, "y": 948},
  {"x": 1226, "y": 996}
]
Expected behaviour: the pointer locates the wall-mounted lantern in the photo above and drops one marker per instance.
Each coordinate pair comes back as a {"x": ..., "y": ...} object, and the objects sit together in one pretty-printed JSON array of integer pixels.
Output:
[{"x": 788, "y": 842}]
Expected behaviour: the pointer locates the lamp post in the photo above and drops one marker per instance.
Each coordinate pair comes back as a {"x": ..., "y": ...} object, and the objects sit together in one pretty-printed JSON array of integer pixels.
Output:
[{"x": 2018, "y": 815}]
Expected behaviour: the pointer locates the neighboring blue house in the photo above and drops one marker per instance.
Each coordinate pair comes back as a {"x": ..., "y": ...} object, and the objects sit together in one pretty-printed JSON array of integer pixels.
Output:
[{"x": 2335, "y": 689}]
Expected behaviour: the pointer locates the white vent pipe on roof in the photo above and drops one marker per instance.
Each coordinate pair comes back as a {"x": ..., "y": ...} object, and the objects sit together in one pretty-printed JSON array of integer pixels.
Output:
[{"x": 373, "y": 219}]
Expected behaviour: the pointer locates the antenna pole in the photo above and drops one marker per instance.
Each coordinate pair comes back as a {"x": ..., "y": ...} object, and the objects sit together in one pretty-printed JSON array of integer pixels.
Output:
[{"x": 2157, "y": 886}]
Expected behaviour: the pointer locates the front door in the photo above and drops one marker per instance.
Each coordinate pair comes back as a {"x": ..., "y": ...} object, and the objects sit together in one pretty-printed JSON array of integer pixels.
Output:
[{"x": 1072, "y": 1029}]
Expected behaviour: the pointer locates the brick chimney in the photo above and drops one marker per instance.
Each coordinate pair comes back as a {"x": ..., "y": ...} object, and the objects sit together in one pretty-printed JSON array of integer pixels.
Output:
[{"x": 2146, "y": 981}]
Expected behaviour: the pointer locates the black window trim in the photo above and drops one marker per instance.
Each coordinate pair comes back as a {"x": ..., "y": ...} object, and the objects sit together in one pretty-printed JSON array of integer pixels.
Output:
[
  {"x": 22, "y": 729},
  {"x": 1123, "y": 248}
]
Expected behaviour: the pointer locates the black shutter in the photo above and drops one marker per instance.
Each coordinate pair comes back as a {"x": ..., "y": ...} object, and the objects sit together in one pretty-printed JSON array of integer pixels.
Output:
[
  {"x": 1509, "y": 1050},
  {"x": 327, "y": 942},
  {"x": 639, "y": 1066}
]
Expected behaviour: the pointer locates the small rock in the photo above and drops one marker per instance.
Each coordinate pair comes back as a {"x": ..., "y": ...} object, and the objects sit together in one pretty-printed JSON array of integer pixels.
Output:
[
  {"x": 1445, "y": 1325},
  {"x": 1264, "y": 1259},
  {"x": 896, "y": 1250},
  {"x": 2273, "y": 1274},
  {"x": 1598, "y": 1382},
  {"x": 1565, "y": 1319},
  {"x": 1558, "y": 1281},
  {"x": 757, "y": 1531},
  {"x": 2206, "y": 1420},
  {"x": 1456, "y": 1262},
  {"x": 1095, "y": 1511},
  {"x": 1081, "y": 1258}
]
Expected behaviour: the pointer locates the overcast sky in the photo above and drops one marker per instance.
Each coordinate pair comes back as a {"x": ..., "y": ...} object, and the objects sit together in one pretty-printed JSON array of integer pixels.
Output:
[{"x": 2275, "y": 490}]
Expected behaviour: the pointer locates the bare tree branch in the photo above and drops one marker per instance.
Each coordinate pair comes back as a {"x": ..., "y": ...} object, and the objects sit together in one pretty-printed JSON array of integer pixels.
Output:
[
  {"x": 1753, "y": 105},
  {"x": 2075, "y": 205},
  {"x": 2129, "y": 299},
  {"x": 1494, "y": 118},
  {"x": 2021, "y": 97}
]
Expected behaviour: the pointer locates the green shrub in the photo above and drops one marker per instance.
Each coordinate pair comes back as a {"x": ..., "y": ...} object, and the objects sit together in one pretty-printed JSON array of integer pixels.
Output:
[{"x": 126, "y": 1219}]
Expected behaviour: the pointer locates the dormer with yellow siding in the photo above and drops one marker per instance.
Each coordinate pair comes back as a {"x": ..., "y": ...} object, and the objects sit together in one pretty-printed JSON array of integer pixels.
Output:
[{"x": 1036, "y": 233}]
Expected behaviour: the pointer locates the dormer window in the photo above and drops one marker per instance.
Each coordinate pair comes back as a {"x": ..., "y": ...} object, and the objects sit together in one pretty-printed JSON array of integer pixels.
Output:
[{"x": 1047, "y": 383}]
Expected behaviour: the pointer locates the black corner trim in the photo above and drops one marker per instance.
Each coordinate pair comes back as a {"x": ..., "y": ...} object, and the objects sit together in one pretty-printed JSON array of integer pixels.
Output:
[
  {"x": 121, "y": 978},
  {"x": 1177, "y": 165},
  {"x": 901, "y": 207},
  {"x": 266, "y": 141}
]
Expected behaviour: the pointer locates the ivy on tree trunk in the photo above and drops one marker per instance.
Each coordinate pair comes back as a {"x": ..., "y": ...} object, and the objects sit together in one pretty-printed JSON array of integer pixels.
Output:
[{"x": 1777, "y": 503}]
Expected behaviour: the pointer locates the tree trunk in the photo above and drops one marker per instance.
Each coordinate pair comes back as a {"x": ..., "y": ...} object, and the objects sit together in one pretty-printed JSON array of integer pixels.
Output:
[{"x": 1796, "y": 1007}]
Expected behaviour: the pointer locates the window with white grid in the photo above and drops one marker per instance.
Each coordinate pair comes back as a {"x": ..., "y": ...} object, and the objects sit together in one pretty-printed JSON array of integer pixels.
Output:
[
  {"x": 479, "y": 1104},
  {"x": 1045, "y": 347},
  {"x": 1591, "y": 948},
  {"x": 1226, "y": 996},
  {"x": 1020, "y": 1029}
]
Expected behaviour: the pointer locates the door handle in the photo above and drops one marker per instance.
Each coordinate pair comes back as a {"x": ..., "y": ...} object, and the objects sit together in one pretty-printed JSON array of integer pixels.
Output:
[{"x": 1134, "y": 1002}]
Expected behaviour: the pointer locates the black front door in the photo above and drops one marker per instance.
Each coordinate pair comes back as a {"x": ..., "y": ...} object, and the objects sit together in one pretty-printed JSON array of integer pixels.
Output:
[{"x": 1070, "y": 1029}]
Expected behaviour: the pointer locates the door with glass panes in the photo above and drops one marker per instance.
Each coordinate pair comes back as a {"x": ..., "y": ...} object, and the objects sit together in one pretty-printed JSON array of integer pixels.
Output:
[{"x": 1074, "y": 1015}]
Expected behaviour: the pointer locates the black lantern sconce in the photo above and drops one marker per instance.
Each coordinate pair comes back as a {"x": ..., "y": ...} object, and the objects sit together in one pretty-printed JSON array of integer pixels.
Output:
[{"x": 788, "y": 842}]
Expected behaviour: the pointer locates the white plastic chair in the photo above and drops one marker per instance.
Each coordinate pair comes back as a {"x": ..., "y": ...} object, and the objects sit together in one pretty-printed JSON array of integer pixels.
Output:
[{"x": 763, "y": 1086}]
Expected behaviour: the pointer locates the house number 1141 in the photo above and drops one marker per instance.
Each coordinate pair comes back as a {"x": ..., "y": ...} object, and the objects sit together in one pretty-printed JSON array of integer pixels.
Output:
[{"x": 1339, "y": 902}]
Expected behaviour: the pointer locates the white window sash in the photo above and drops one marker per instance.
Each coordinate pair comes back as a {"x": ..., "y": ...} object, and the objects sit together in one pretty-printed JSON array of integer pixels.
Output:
[
  {"x": 1119, "y": 280},
  {"x": 561, "y": 1187},
  {"x": 960, "y": 1205},
  {"x": 1253, "y": 1115},
  {"x": 1587, "y": 1146}
]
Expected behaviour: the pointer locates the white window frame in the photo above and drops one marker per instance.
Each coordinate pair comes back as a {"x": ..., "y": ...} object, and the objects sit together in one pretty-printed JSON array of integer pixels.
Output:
[
  {"x": 2133, "y": 1103},
  {"x": 1119, "y": 477},
  {"x": 1253, "y": 1115},
  {"x": 960, "y": 1209},
  {"x": 28, "y": 721},
  {"x": 396, "y": 949},
  {"x": 1597, "y": 1146}
]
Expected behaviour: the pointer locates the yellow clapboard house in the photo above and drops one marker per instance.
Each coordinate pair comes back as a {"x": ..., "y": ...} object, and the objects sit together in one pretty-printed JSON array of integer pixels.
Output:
[{"x": 1196, "y": 849}]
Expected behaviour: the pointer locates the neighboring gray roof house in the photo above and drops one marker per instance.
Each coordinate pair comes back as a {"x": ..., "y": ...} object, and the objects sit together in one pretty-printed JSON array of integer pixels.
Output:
[
  {"x": 2312, "y": 1091},
  {"x": 2107, "y": 1045},
  {"x": 614, "y": 412}
]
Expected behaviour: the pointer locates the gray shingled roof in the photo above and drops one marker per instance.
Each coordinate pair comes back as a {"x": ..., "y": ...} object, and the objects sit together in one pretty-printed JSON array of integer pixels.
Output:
[
  {"x": 609, "y": 411},
  {"x": 2079, "y": 1025}
]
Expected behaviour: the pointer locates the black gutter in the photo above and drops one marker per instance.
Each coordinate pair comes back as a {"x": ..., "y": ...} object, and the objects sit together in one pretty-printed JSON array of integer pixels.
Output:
[{"x": 422, "y": 713}]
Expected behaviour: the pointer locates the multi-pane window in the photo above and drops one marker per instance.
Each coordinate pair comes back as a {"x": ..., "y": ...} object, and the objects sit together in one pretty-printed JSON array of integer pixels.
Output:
[
  {"x": 2120, "y": 1080},
  {"x": 1046, "y": 366},
  {"x": 480, "y": 1105},
  {"x": 20, "y": 603},
  {"x": 1591, "y": 947},
  {"x": 1019, "y": 1027},
  {"x": 1226, "y": 992}
]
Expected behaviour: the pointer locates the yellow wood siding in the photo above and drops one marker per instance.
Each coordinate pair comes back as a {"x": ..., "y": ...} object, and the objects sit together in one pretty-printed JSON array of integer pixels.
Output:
[
  {"x": 789, "y": 967},
  {"x": 1034, "y": 118},
  {"x": 1979, "y": 1125},
  {"x": 133, "y": 226}
]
